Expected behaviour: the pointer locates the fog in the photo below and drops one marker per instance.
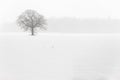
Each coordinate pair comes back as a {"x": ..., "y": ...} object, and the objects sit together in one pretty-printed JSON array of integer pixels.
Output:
[
  {"x": 72, "y": 25},
  {"x": 81, "y": 43},
  {"x": 59, "y": 56}
]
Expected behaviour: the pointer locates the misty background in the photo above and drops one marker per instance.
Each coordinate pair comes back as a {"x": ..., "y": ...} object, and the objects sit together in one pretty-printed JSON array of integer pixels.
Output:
[
  {"x": 72, "y": 25},
  {"x": 66, "y": 16},
  {"x": 54, "y": 56},
  {"x": 83, "y": 16}
]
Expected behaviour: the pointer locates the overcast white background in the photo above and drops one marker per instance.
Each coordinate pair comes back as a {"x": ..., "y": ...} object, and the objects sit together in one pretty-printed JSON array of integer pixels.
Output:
[
  {"x": 10, "y": 9},
  {"x": 60, "y": 56}
]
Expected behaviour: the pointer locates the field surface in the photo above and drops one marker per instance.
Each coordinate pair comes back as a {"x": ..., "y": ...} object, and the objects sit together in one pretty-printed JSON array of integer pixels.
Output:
[{"x": 49, "y": 56}]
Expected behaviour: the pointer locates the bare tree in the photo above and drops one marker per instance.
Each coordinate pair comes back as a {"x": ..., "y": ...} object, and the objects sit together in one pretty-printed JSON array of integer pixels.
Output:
[{"x": 30, "y": 20}]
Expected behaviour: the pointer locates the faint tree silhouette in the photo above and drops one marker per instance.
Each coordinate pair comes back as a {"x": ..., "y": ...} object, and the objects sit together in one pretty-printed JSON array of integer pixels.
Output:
[{"x": 30, "y": 20}]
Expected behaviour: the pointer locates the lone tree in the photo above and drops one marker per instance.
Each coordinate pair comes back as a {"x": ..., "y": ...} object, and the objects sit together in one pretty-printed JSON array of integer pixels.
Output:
[{"x": 30, "y": 20}]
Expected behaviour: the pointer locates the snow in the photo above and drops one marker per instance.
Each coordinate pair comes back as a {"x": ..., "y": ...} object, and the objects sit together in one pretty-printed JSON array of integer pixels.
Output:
[{"x": 50, "y": 56}]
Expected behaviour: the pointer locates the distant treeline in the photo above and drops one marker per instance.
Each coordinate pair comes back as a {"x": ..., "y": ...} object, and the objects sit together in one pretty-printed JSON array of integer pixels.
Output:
[{"x": 74, "y": 25}]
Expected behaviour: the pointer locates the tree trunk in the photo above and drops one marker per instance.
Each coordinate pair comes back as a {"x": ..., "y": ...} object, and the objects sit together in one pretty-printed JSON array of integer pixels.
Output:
[{"x": 32, "y": 31}]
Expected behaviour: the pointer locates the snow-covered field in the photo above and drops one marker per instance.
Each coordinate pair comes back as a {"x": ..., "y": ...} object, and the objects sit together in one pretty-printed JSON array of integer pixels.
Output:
[{"x": 50, "y": 56}]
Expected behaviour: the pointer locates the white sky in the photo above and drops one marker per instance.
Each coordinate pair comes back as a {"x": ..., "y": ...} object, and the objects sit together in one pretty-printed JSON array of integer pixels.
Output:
[{"x": 10, "y": 9}]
